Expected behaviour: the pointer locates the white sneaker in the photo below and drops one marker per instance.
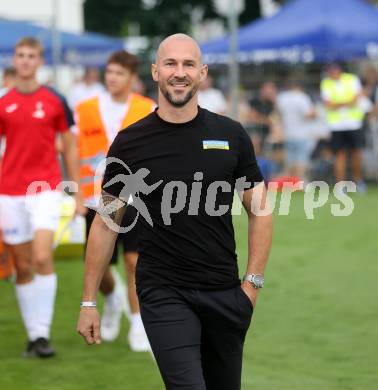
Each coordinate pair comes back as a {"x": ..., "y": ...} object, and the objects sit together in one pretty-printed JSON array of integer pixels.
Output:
[
  {"x": 138, "y": 340},
  {"x": 113, "y": 309},
  {"x": 110, "y": 322},
  {"x": 119, "y": 283}
]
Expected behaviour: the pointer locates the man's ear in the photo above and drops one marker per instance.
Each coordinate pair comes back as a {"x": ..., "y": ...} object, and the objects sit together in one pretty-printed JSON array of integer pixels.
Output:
[
  {"x": 204, "y": 71},
  {"x": 154, "y": 72}
]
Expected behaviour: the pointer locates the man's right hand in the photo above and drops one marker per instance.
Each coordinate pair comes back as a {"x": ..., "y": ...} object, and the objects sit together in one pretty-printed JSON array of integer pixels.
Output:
[
  {"x": 80, "y": 209},
  {"x": 89, "y": 325}
]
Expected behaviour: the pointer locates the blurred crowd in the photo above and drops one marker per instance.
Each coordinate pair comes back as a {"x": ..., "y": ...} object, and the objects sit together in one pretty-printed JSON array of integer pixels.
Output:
[
  {"x": 311, "y": 133},
  {"x": 288, "y": 123}
]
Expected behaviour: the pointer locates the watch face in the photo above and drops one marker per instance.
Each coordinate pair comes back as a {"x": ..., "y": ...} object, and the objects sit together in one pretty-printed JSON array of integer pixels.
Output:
[{"x": 258, "y": 280}]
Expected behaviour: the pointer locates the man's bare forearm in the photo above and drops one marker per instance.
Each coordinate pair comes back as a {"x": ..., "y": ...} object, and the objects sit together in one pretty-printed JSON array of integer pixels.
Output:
[
  {"x": 260, "y": 228},
  {"x": 101, "y": 240},
  {"x": 259, "y": 242},
  {"x": 100, "y": 247},
  {"x": 71, "y": 160},
  {"x": 71, "y": 156}
]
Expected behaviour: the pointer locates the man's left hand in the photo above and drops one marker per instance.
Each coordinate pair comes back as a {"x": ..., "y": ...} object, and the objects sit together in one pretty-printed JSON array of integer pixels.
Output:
[{"x": 251, "y": 292}]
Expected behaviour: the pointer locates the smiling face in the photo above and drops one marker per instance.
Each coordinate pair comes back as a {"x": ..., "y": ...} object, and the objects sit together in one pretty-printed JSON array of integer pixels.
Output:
[
  {"x": 178, "y": 70},
  {"x": 26, "y": 61}
]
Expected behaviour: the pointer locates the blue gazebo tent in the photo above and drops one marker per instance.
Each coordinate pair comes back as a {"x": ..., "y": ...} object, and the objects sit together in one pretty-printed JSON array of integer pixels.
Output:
[
  {"x": 76, "y": 49},
  {"x": 306, "y": 31}
]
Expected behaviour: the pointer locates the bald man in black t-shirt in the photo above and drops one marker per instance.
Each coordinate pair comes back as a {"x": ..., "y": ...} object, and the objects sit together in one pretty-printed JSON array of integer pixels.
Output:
[{"x": 182, "y": 163}]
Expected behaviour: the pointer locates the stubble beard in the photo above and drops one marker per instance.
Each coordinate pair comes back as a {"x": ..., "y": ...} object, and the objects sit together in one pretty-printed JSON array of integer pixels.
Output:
[{"x": 181, "y": 101}]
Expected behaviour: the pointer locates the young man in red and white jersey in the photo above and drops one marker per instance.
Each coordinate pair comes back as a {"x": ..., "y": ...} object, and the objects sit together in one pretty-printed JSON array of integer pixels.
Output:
[
  {"x": 99, "y": 120},
  {"x": 31, "y": 117}
]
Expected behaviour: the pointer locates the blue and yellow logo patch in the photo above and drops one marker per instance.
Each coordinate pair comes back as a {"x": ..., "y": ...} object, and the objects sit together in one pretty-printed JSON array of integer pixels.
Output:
[{"x": 211, "y": 144}]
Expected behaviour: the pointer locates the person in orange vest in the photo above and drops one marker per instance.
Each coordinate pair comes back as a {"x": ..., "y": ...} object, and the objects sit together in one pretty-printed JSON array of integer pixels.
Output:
[{"x": 99, "y": 119}]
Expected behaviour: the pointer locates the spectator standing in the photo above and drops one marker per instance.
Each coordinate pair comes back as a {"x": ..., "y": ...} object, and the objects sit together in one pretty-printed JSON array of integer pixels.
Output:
[
  {"x": 211, "y": 98},
  {"x": 90, "y": 86},
  {"x": 341, "y": 92},
  {"x": 262, "y": 110},
  {"x": 296, "y": 109}
]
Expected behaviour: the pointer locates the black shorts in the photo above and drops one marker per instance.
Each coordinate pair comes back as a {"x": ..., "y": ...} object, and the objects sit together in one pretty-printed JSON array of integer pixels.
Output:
[
  {"x": 347, "y": 140},
  {"x": 128, "y": 240}
]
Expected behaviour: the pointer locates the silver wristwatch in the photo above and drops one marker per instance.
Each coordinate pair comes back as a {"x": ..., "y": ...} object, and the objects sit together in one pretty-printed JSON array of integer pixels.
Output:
[{"x": 257, "y": 280}]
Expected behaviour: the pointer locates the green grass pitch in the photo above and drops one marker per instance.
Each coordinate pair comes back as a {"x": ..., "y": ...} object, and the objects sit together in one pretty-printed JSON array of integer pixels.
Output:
[{"x": 315, "y": 325}]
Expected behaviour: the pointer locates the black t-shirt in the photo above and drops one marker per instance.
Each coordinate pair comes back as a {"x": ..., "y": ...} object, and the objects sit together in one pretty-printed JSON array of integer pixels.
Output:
[
  {"x": 263, "y": 107},
  {"x": 195, "y": 250}
]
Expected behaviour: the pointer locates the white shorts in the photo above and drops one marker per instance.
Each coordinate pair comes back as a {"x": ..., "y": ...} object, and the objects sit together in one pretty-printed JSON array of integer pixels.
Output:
[{"x": 21, "y": 216}]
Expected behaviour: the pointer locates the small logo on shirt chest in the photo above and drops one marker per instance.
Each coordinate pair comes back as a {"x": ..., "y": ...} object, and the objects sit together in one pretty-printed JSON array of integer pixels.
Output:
[
  {"x": 13, "y": 107},
  {"x": 214, "y": 144},
  {"x": 39, "y": 112}
]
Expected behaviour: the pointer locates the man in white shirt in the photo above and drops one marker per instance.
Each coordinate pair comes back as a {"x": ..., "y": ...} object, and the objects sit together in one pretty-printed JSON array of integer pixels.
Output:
[
  {"x": 211, "y": 98},
  {"x": 89, "y": 86},
  {"x": 296, "y": 109}
]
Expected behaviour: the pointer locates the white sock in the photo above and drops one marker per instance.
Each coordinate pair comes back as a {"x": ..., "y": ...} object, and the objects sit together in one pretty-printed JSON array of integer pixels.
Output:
[
  {"x": 46, "y": 286},
  {"x": 136, "y": 322},
  {"x": 26, "y": 294}
]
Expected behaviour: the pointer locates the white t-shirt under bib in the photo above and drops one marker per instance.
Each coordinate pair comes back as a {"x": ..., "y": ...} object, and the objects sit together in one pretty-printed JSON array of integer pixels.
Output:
[{"x": 112, "y": 114}]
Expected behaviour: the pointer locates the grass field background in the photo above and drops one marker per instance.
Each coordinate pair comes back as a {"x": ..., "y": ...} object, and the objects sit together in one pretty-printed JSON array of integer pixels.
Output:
[{"x": 315, "y": 325}]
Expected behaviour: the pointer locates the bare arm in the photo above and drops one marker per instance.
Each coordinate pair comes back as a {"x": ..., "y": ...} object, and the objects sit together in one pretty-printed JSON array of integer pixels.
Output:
[
  {"x": 260, "y": 228},
  {"x": 351, "y": 103},
  {"x": 71, "y": 160},
  {"x": 100, "y": 247}
]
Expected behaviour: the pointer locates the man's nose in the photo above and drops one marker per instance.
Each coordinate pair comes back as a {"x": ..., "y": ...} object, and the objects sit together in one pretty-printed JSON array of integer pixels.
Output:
[{"x": 180, "y": 71}]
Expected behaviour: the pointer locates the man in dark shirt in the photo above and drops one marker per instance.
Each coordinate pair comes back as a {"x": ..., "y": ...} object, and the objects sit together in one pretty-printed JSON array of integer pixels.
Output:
[
  {"x": 262, "y": 110},
  {"x": 181, "y": 165}
]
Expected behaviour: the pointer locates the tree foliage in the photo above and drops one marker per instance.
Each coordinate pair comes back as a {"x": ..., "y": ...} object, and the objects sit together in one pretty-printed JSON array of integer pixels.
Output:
[{"x": 117, "y": 17}]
